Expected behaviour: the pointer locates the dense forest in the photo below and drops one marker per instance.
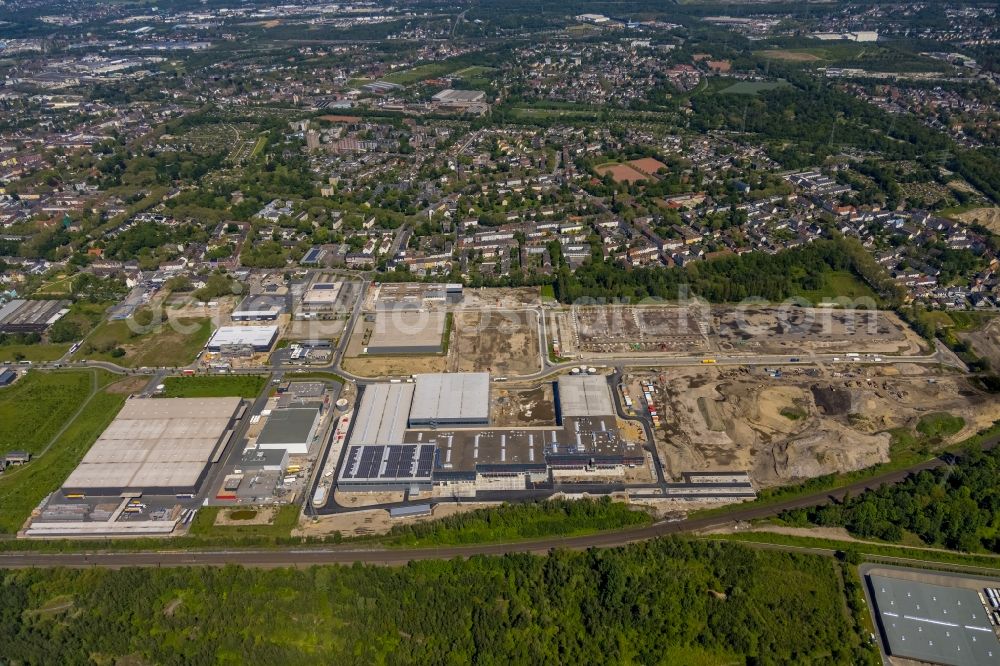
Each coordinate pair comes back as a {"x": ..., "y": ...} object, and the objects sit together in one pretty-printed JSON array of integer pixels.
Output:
[
  {"x": 773, "y": 277},
  {"x": 667, "y": 601},
  {"x": 956, "y": 507}
]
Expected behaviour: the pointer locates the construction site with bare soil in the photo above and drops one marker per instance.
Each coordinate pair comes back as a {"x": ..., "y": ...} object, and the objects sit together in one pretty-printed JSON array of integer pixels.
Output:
[
  {"x": 591, "y": 331},
  {"x": 795, "y": 423}
]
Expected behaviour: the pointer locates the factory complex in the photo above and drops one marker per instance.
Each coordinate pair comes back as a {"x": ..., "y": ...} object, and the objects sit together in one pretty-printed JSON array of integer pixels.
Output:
[{"x": 435, "y": 432}]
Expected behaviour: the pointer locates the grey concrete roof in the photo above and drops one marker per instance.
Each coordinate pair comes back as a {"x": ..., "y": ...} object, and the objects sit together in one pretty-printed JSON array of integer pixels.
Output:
[
  {"x": 381, "y": 418},
  {"x": 155, "y": 443},
  {"x": 933, "y": 623},
  {"x": 294, "y": 425},
  {"x": 585, "y": 395},
  {"x": 451, "y": 398}
]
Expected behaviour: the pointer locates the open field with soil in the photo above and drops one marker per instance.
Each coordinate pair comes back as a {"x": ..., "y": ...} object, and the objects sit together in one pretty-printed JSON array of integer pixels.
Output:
[
  {"x": 515, "y": 408},
  {"x": 811, "y": 422},
  {"x": 988, "y": 217},
  {"x": 502, "y": 343},
  {"x": 804, "y": 330},
  {"x": 621, "y": 173},
  {"x": 614, "y": 329},
  {"x": 172, "y": 344}
]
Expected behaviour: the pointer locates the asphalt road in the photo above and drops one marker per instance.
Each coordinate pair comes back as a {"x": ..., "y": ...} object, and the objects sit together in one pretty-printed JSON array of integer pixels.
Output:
[{"x": 298, "y": 557}]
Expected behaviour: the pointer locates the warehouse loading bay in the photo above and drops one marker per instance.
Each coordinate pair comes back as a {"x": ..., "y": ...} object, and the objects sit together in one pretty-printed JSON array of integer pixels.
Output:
[
  {"x": 162, "y": 459},
  {"x": 451, "y": 436}
]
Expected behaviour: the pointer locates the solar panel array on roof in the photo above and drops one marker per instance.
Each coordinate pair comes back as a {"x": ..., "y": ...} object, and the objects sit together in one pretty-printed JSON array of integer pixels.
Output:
[{"x": 399, "y": 462}]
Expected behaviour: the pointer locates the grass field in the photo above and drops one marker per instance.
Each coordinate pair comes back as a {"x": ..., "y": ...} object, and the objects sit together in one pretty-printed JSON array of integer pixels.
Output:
[
  {"x": 940, "y": 424},
  {"x": 204, "y": 523},
  {"x": 21, "y": 489},
  {"x": 838, "y": 284},
  {"x": 243, "y": 386},
  {"x": 162, "y": 347},
  {"x": 35, "y": 407},
  {"x": 40, "y": 353},
  {"x": 751, "y": 87},
  {"x": 419, "y": 73}
]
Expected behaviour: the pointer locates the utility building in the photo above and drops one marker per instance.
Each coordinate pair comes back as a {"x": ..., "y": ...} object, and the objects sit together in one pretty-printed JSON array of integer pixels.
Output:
[{"x": 451, "y": 399}]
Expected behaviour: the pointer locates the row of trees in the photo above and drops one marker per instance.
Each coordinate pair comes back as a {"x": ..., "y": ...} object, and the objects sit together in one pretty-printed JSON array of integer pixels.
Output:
[{"x": 956, "y": 507}]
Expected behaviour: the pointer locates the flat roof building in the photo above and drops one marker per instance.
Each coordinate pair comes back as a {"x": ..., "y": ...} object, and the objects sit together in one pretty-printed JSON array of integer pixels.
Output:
[
  {"x": 459, "y": 97},
  {"x": 933, "y": 623},
  {"x": 451, "y": 398},
  {"x": 7, "y": 376},
  {"x": 156, "y": 446},
  {"x": 381, "y": 418},
  {"x": 584, "y": 395},
  {"x": 292, "y": 429},
  {"x": 258, "y": 338},
  {"x": 268, "y": 460},
  {"x": 403, "y": 331},
  {"x": 321, "y": 295},
  {"x": 261, "y": 307},
  {"x": 21, "y": 316}
]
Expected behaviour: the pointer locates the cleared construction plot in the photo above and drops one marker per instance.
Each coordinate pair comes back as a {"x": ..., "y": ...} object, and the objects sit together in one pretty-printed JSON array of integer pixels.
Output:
[
  {"x": 697, "y": 329},
  {"x": 503, "y": 343},
  {"x": 519, "y": 408},
  {"x": 618, "y": 329},
  {"x": 156, "y": 446},
  {"x": 406, "y": 332},
  {"x": 794, "y": 330},
  {"x": 808, "y": 422}
]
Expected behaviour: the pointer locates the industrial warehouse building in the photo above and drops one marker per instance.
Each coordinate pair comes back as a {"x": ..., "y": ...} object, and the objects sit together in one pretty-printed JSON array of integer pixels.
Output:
[
  {"x": 21, "y": 316},
  {"x": 292, "y": 429},
  {"x": 405, "y": 331},
  {"x": 932, "y": 623},
  {"x": 261, "y": 307},
  {"x": 321, "y": 296},
  {"x": 156, "y": 447},
  {"x": 443, "y": 418},
  {"x": 461, "y": 398},
  {"x": 255, "y": 338}
]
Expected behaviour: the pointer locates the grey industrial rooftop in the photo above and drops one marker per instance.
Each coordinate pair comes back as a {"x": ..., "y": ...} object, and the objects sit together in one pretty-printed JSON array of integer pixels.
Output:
[
  {"x": 585, "y": 395},
  {"x": 258, "y": 337},
  {"x": 403, "y": 330},
  {"x": 933, "y": 623},
  {"x": 461, "y": 397},
  {"x": 294, "y": 425},
  {"x": 155, "y": 445},
  {"x": 381, "y": 418}
]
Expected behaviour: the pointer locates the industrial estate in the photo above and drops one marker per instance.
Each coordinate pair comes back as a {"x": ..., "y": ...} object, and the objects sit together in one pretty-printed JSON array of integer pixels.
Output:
[{"x": 314, "y": 284}]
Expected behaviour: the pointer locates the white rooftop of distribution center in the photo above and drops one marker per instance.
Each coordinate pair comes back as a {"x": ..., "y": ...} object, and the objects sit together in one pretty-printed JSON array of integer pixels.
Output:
[
  {"x": 155, "y": 443},
  {"x": 381, "y": 419},
  {"x": 585, "y": 395},
  {"x": 451, "y": 398},
  {"x": 239, "y": 336}
]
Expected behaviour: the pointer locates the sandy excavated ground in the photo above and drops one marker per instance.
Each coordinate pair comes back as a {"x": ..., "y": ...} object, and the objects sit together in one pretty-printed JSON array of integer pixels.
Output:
[
  {"x": 500, "y": 343},
  {"x": 806, "y": 424},
  {"x": 985, "y": 341},
  {"x": 988, "y": 217}
]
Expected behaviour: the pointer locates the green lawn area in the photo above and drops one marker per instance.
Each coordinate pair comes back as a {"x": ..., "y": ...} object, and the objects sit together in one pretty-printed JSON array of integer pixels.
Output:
[
  {"x": 474, "y": 71},
  {"x": 164, "y": 346},
  {"x": 204, "y": 525},
  {"x": 40, "y": 353},
  {"x": 838, "y": 284},
  {"x": 751, "y": 87},
  {"x": 35, "y": 407},
  {"x": 420, "y": 72},
  {"x": 548, "y": 292},
  {"x": 22, "y": 488},
  {"x": 940, "y": 424},
  {"x": 214, "y": 386}
]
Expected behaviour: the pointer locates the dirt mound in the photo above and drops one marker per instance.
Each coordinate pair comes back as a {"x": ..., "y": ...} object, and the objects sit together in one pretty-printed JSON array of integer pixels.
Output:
[
  {"x": 833, "y": 401},
  {"x": 825, "y": 451}
]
